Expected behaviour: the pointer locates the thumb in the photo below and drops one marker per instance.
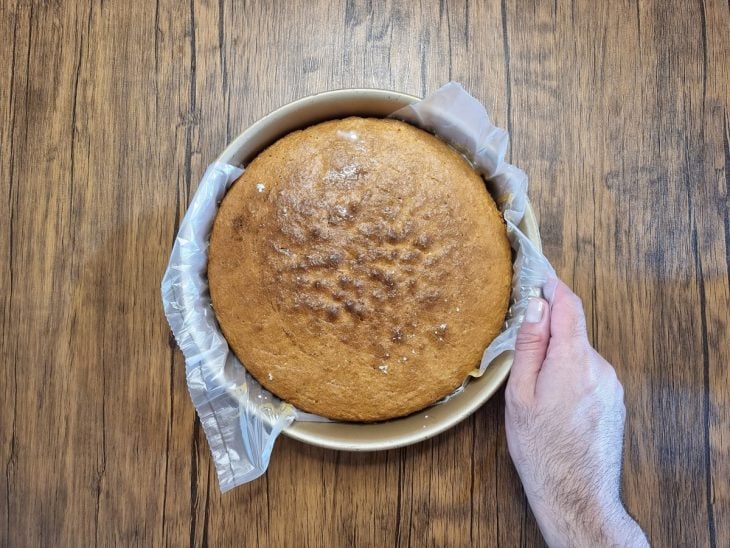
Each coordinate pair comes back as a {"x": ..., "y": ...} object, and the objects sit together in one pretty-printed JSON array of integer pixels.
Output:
[{"x": 530, "y": 348}]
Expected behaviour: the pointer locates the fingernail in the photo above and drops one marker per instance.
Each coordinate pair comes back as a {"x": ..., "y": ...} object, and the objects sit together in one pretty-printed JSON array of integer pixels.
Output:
[{"x": 535, "y": 310}]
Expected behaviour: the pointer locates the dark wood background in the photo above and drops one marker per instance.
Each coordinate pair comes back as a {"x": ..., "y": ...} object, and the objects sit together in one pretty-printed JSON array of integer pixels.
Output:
[{"x": 109, "y": 113}]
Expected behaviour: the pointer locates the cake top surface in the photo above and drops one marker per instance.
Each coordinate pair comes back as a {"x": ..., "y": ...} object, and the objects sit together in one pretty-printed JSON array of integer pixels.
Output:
[{"x": 359, "y": 268}]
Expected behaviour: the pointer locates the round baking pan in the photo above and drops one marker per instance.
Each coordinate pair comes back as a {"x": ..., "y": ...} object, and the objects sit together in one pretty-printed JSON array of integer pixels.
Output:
[{"x": 429, "y": 422}]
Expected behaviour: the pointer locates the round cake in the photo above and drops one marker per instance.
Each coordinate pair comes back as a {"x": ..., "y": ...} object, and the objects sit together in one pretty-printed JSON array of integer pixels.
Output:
[{"x": 359, "y": 268}]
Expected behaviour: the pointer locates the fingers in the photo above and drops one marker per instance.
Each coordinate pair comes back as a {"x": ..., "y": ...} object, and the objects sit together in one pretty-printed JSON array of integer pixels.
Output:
[
  {"x": 530, "y": 349},
  {"x": 567, "y": 320},
  {"x": 548, "y": 289}
]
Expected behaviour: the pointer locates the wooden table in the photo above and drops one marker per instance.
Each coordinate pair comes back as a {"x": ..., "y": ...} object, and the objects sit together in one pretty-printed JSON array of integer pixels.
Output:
[{"x": 110, "y": 112}]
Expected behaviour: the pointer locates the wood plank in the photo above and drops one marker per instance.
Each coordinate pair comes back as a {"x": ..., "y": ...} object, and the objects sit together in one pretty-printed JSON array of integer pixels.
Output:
[
  {"x": 11, "y": 57},
  {"x": 711, "y": 247}
]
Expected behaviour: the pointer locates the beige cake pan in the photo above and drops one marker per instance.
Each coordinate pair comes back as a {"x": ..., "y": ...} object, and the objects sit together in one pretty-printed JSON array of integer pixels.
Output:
[{"x": 429, "y": 422}]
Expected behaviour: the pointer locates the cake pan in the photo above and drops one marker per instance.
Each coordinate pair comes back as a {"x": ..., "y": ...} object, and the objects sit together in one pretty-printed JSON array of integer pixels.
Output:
[{"x": 429, "y": 422}]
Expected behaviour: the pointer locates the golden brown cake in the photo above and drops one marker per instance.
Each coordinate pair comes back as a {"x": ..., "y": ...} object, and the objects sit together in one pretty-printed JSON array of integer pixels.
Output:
[{"x": 359, "y": 268}]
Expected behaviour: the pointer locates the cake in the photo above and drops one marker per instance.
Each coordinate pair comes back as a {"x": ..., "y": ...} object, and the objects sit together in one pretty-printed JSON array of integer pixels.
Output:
[{"x": 358, "y": 269}]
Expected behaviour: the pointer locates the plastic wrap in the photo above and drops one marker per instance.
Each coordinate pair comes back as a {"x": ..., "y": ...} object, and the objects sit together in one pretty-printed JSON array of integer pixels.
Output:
[{"x": 242, "y": 420}]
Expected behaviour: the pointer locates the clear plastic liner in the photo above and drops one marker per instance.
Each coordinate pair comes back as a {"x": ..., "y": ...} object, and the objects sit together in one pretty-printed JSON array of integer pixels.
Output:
[{"x": 242, "y": 420}]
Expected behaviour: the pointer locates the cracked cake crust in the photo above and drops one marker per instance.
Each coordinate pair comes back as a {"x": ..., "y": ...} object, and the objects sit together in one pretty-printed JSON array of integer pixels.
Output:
[{"x": 359, "y": 268}]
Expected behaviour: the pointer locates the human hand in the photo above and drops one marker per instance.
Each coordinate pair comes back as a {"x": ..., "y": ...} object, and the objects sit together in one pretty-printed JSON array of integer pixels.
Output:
[{"x": 565, "y": 422}]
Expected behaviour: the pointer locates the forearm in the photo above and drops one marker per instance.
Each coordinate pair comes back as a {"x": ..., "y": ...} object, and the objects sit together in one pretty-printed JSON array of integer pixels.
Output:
[{"x": 590, "y": 527}]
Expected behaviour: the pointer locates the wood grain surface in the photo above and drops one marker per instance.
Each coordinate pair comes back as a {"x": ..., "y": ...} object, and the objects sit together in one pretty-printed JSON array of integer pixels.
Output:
[{"x": 110, "y": 112}]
